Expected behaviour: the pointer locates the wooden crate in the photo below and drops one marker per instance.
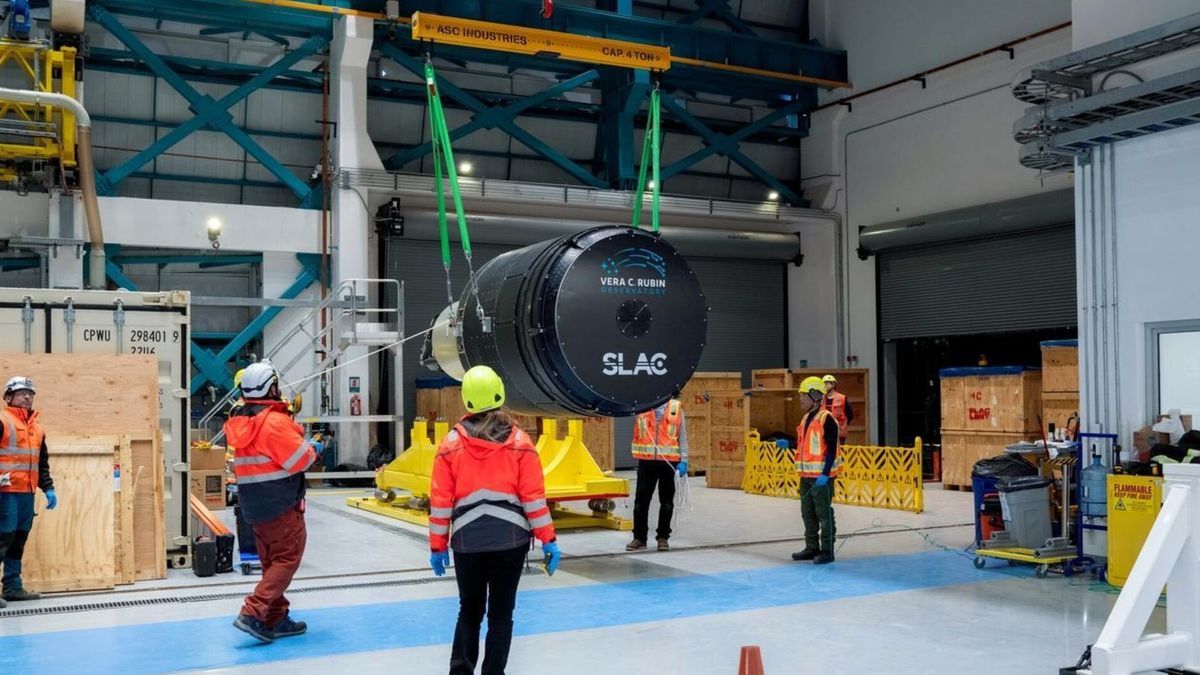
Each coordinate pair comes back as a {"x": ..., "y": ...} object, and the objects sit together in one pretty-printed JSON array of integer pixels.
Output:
[
  {"x": 961, "y": 449},
  {"x": 1058, "y": 407},
  {"x": 699, "y": 443},
  {"x": 725, "y": 477},
  {"x": 598, "y": 437},
  {"x": 111, "y": 485},
  {"x": 1060, "y": 366},
  {"x": 695, "y": 393},
  {"x": 429, "y": 402},
  {"x": 855, "y": 384},
  {"x": 772, "y": 378},
  {"x": 991, "y": 399}
]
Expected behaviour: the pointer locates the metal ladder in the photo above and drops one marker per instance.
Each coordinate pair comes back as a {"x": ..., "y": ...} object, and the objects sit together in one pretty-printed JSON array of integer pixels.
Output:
[{"x": 352, "y": 322}]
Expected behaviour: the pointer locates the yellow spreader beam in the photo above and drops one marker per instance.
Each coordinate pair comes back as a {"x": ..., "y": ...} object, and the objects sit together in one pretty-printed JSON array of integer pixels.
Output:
[{"x": 403, "y": 486}]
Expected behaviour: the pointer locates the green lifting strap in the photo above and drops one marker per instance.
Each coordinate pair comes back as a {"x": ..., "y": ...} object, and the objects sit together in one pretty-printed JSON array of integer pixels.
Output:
[
  {"x": 443, "y": 162},
  {"x": 650, "y": 156}
]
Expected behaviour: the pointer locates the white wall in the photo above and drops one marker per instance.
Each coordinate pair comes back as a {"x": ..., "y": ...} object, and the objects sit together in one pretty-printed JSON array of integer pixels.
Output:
[
  {"x": 812, "y": 299},
  {"x": 909, "y": 151},
  {"x": 1098, "y": 21},
  {"x": 887, "y": 40}
]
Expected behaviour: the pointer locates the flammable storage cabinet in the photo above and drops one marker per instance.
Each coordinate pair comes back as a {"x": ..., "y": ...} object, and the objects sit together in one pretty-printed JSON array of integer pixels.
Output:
[
  {"x": 38, "y": 321},
  {"x": 1133, "y": 504}
]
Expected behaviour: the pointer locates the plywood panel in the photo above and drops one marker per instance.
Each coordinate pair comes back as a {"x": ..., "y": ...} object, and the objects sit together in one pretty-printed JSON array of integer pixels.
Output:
[
  {"x": 1058, "y": 407},
  {"x": 699, "y": 443},
  {"x": 726, "y": 408},
  {"x": 72, "y": 547},
  {"x": 149, "y": 510},
  {"x": 725, "y": 477},
  {"x": 90, "y": 394},
  {"x": 1060, "y": 369},
  {"x": 123, "y": 532},
  {"x": 728, "y": 446},
  {"x": 960, "y": 451}
]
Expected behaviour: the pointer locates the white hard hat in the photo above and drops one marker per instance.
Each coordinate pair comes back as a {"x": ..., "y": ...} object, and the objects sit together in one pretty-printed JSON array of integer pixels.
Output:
[
  {"x": 258, "y": 378},
  {"x": 18, "y": 383}
]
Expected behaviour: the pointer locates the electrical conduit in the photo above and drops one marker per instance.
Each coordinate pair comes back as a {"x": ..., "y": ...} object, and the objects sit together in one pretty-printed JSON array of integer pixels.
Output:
[{"x": 87, "y": 170}]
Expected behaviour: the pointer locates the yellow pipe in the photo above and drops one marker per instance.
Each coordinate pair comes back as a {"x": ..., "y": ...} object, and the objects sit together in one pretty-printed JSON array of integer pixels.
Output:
[{"x": 323, "y": 9}]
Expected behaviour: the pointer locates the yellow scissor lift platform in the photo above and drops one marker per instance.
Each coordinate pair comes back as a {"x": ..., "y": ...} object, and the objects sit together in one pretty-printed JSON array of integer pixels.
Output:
[
  {"x": 1030, "y": 556},
  {"x": 570, "y": 475}
]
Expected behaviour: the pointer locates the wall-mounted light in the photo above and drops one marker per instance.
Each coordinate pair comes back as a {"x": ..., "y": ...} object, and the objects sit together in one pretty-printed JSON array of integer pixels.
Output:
[
  {"x": 214, "y": 226},
  {"x": 773, "y": 196},
  {"x": 465, "y": 167}
]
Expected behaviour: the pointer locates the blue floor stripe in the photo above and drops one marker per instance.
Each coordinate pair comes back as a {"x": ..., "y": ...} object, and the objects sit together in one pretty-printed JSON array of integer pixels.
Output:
[{"x": 213, "y": 643}]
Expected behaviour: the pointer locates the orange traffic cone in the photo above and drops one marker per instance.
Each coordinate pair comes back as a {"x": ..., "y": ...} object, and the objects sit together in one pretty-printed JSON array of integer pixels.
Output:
[{"x": 751, "y": 661}]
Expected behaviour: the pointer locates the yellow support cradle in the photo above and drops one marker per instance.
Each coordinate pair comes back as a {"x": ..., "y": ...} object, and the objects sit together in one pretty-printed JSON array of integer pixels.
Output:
[
  {"x": 570, "y": 475},
  {"x": 50, "y": 131}
]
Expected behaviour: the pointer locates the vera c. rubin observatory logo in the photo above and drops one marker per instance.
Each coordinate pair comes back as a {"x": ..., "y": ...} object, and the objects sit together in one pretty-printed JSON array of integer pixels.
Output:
[{"x": 634, "y": 271}]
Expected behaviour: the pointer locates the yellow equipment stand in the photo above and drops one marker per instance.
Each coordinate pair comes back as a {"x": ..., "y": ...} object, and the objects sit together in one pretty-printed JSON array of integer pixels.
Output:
[
  {"x": 570, "y": 475},
  {"x": 1022, "y": 555},
  {"x": 1133, "y": 505}
]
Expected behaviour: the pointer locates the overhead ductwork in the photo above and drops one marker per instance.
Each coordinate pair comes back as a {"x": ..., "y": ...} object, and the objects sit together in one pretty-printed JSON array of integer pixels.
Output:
[{"x": 988, "y": 220}]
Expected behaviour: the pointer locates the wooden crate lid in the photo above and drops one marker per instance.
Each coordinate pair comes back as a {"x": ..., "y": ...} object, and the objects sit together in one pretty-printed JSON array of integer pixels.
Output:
[{"x": 974, "y": 371}]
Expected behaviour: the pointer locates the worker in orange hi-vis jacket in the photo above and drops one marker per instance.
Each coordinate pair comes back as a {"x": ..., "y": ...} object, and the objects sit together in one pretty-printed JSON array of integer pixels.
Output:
[{"x": 487, "y": 502}]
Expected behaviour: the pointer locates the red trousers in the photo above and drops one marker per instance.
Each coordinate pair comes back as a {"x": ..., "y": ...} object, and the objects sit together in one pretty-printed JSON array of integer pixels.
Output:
[{"x": 280, "y": 545}]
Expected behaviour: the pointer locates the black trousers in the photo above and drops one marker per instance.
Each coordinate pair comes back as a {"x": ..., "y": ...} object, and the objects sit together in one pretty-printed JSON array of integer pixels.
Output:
[
  {"x": 653, "y": 473},
  {"x": 487, "y": 582}
]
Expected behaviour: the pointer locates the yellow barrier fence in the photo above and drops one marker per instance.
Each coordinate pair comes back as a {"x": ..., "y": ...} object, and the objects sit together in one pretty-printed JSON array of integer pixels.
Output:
[{"x": 878, "y": 476}]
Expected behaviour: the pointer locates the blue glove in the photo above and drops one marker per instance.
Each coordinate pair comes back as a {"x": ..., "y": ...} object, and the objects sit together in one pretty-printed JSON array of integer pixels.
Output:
[
  {"x": 438, "y": 560},
  {"x": 51, "y": 500},
  {"x": 317, "y": 446},
  {"x": 552, "y": 556},
  {"x": 822, "y": 480},
  {"x": 683, "y": 468},
  {"x": 783, "y": 444}
]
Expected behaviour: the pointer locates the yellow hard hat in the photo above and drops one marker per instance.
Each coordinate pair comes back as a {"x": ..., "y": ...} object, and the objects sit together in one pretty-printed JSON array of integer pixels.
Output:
[
  {"x": 829, "y": 378},
  {"x": 812, "y": 385},
  {"x": 482, "y": 390},
  {"x": 237, "y": 378}
]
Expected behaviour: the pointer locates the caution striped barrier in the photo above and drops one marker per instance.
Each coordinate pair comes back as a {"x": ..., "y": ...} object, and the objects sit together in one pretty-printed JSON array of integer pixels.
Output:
[{"x": 883, "y": 477}]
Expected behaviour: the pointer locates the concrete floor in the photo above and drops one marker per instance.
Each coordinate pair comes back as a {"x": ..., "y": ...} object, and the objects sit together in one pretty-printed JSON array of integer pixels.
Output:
[{"x": 902, "y": 598}]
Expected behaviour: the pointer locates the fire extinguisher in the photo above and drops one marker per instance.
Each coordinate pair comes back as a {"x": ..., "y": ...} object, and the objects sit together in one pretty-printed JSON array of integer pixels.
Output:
[{"x": 355, "y": 405}]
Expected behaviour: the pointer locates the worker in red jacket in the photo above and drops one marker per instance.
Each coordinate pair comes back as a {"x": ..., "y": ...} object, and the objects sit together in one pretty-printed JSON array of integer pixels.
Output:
[
  {"x": 270, "y": 457},
  {"x": 487, "y": 501}
]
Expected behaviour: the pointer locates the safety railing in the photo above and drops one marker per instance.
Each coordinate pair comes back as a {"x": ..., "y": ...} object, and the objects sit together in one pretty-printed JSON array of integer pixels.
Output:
[{"x": 877, "y": 476}]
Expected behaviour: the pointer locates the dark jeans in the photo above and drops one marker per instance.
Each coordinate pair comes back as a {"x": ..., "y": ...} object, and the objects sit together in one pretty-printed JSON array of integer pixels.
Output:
[
  {"x": 651, "y": 473},
  {"x": 816, "y": 507},
  {"x": 16, "y": 520},
  {"x": 486, "y": 582}
]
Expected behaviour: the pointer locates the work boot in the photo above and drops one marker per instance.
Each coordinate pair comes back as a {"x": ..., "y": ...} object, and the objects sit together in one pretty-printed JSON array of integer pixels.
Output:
[
  {"x": 288, "y": 628},
  {"x": 823, "y": 558},
  {"x": 19, "y": 594},
  {"x": 253, "y": 627},
  {"x": 635, "y": 545},
  {"x": 806, "y": 554},
  {"x": 663, "y": 545}
]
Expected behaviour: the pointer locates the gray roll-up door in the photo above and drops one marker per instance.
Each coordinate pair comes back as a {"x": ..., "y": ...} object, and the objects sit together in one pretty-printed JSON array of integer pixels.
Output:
[
  {"x": 1022, "y": 281},
  {"x": 747, "y": 321}
]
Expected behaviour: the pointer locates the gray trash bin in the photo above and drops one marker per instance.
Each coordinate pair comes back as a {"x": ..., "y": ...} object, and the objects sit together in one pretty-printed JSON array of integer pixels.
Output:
[{"x": 1025, "y": 503}]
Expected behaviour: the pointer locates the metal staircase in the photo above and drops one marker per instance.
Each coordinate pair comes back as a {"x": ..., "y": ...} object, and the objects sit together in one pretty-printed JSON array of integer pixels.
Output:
[{"x": 351, "y": 322}]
